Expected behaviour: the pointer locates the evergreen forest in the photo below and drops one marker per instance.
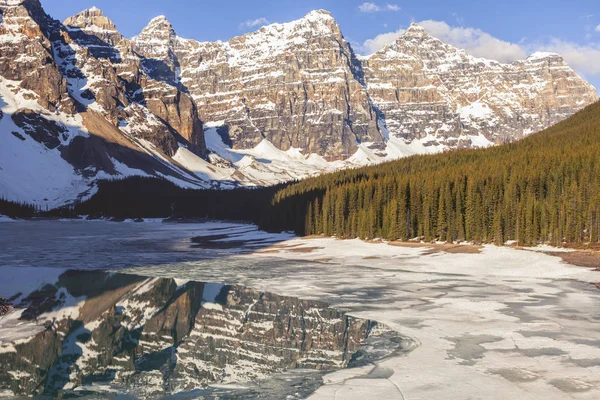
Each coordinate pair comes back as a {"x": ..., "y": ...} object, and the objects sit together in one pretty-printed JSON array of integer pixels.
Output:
[{"x": 542, "y": 189}]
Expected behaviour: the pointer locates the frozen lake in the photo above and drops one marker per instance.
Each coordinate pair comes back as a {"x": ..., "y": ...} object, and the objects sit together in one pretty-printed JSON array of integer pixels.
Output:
[{"x": 499, "y": 324}]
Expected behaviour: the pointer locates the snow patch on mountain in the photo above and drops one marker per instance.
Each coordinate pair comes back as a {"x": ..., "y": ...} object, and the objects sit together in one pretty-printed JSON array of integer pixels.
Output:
[{"x": 30, "y": 171}]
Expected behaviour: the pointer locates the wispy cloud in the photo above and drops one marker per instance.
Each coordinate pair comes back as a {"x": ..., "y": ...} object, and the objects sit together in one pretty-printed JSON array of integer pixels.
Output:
[
  {"x": 377, "y": 43},
  {"x": 459, "y": 19},
  {"x": 585, "y": 58},
  {"x": 598, "y": 28},
  {"x": 369, "y": 7},
  {"x": 475, "y": 41},
  {"x": 253, "y": 23}
]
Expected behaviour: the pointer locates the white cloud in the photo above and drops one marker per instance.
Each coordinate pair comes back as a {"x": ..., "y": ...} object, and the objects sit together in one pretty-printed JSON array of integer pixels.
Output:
[
  {"x": 598, "y": 28},
  {"x": 475, "y": 41},
  {"x": 371, "y": 46},
  {"x": 585, "y": 59},
  {"x": 253, "y": 23},
  {"x": 369, "y": 7}
]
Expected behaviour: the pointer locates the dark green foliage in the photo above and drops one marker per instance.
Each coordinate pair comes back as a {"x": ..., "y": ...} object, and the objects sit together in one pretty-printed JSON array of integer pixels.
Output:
[
  {"x": 16, "y": 210},
  {"x": 157, "y": 198},
  {"x": 545, "y": 188}
]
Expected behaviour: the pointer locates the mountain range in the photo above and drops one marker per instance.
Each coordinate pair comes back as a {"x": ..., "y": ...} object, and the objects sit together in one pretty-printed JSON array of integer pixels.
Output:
[{"x": 79, "y": 102}]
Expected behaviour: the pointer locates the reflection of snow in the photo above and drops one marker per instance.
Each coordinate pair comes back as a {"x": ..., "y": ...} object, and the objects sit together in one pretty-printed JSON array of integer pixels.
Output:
[
  {"x": 488, "y": 319},
  {"x": 511, "y": 323}
]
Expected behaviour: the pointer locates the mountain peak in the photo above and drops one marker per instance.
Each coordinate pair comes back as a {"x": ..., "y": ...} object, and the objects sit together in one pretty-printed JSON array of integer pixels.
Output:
[
  {"x": 90, "y": 12},
  {"x": 156, "y": 39},
  {"x": 540, "y": 55},
  {"x": 94, "y": 10},
  {"x": 158, "y": 19},
  {"x": 319, "y": 22},
  {"x": 319, "y": 14},
  {"x": 415, "y": 30},
  {"x": 159, "y": 24},
  {"x": 92, "y": 17}
]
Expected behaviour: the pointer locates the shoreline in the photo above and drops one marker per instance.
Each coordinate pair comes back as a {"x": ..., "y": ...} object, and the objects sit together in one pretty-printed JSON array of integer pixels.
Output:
[
  {"x": 579, "y": 255},
  {"x": 575, "y": 256}
]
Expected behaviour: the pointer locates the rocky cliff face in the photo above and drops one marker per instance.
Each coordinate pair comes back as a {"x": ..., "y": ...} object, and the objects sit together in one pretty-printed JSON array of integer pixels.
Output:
[
  {"x": 285, "y": 102},
  {"x": 433, "y": 92},
  {"x": 298, "y": 85},
  {"x": 152, "y": 337},
  {"x": 119, "y": 80},
  {"x": 68, "y": 88}
]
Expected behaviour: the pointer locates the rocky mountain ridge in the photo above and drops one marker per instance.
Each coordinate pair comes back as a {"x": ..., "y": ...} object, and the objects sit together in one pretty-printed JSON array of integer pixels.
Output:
[
  {"x": 297, "y": 84},
  {"x": 80, "y": 102},
  {"x": 428, "y": 90}
]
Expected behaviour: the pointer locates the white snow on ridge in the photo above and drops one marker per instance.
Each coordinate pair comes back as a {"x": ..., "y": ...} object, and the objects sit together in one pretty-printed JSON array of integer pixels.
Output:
[
  {"x": 47, "y": 180},
  {"x": 476, "y": 110},
  {"x": 266, "y": 164},
  {"x": 29, "y": 171}
]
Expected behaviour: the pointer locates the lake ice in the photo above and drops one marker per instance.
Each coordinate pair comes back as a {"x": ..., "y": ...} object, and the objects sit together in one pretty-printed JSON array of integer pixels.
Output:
[{"x": 500, "y": 324}]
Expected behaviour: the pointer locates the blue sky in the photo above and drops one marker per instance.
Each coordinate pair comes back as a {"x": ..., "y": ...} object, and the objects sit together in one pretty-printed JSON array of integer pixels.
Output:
[{"x": 500, "y": 29}]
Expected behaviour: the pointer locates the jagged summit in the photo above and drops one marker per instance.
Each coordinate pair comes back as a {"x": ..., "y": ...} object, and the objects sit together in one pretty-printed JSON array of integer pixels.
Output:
[
  {"x": 541, "y": 55},
  {"x": 88, "y": 13},
  {"x": 91, "y": 19},
  {"x": 319, "y": 14},
  {"x": 315, "y": 23},
  {"x": 320, "y": 20},
  {"x": 415, "y": 30},
  {"x": 94, "y": 10},
  {"x": 158, "y": 19},
  {"x": 156, "y": 40},
  {"x": 157, "y": 25}
]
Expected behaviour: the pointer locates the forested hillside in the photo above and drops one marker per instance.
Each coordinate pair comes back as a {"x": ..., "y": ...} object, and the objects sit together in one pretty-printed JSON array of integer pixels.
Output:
[{"x": 545, "y": 188}]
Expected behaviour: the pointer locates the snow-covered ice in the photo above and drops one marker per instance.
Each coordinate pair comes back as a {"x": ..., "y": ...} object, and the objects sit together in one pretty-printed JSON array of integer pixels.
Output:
[{"x": 500, "y": 324}]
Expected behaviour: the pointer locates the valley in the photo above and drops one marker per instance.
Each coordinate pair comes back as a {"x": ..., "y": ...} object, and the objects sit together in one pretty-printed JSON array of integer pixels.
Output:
[{"x": 342, "y": 204}]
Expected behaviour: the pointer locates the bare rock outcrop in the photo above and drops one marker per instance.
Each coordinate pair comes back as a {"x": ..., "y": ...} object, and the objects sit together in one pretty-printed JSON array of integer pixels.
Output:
[{"x": 297, "y": 84}]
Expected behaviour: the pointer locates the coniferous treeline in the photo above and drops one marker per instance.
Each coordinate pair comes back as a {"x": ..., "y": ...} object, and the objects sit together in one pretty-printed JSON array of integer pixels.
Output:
[
  {"x": 545, "y": 188},
  {"x": 141, "y": 197},
  {"x": 16, "y": 210}
]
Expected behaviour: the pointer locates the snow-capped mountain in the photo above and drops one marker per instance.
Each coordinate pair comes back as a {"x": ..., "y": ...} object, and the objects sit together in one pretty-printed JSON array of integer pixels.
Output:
[
  {"x": 297, "y": 84},
  {"x": 79, "y": 102},
  {"x": 437, "y": 94}
]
